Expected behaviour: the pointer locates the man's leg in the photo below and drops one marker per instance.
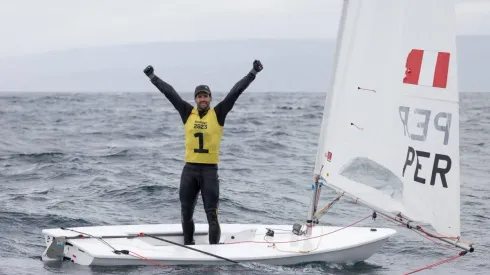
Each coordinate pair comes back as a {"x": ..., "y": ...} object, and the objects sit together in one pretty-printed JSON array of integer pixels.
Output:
[
  {"x": 189, "y": 188},
  {"x": 210, "y": 199}
]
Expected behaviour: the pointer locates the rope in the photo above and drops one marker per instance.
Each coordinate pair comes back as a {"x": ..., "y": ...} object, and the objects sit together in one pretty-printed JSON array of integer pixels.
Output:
[
  {"x": 462, "y": 253},
  {"x": 309, "y": 238},
  {"x": 434, "y": 236},
  {"x": 136, "y": 255},
  {"x": 318, "y": 214},
  {"x": 82, "y": 235},
  {"x": 299, "y": 251},
  {"x": 128, "y": 252},
  {"x": 429, "y": 235},
  {"x": 418, "y": 227},
  {"x": 436, "y": 242},
  {"x": 187, "y": 247},
  {"x": 324, "y": 210}
]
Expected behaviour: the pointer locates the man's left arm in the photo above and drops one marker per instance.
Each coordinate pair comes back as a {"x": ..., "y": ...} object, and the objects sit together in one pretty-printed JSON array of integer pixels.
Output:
[{"x": 224, "y": 107}]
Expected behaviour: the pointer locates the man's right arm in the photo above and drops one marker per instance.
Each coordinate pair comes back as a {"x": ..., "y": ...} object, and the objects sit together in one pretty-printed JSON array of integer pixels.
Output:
[{"x": 183, "y": 107}]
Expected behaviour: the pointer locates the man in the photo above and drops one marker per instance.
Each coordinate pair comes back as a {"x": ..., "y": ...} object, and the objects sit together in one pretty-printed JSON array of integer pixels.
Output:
[{"x": 203, "y": 127}]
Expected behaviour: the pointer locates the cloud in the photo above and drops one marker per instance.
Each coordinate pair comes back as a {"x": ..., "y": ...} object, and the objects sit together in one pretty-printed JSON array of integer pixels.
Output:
[
  {"x": 473, "y": 6},
  {"x": 473, "y": 16},
  {"x": 30, "y": 26},
  {"x": 58, "y": 24}
]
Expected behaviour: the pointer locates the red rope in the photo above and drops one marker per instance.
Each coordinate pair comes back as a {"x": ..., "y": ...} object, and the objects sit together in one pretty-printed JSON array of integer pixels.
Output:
[
  {"x": 434, "y": 236},
  {"x": 437, "y": 263},
  {"x": 462, "y": 253},
  {"x": 438, "y": 243},
  {"x": 134, "y": 254},
  {"x": 146, "y": 259},
  {"x": 304, "y": 238}
]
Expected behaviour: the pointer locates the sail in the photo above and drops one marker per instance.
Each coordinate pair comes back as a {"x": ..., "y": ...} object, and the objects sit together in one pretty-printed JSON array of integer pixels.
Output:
[
  {"x": 394, "y": 101},
  {"x": 328, "y": 102}
]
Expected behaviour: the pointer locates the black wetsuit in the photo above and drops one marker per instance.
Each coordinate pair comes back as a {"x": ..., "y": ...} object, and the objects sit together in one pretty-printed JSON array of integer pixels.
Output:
[{"x": 199, "y": 176}]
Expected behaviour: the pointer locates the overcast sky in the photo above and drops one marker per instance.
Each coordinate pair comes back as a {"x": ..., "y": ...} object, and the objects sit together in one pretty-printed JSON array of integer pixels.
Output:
[{"x": 31, "y": 26}]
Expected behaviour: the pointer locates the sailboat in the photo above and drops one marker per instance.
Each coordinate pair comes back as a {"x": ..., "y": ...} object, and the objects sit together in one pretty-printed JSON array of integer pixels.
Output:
[{"x": 393, "y": 101}]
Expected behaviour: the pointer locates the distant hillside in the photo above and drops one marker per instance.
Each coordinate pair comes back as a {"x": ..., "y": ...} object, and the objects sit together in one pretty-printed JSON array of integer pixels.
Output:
[{"x": 290, "y": 65}]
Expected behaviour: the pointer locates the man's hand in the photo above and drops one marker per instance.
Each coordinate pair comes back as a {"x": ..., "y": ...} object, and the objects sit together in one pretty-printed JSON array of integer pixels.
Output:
[
  {"x": 149, "y": 71},
  {"x": 258, "y": 66}
]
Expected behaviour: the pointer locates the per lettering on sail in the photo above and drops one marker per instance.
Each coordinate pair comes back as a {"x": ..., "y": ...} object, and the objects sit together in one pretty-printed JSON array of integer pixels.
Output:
[{"x": 426, "y": 124}]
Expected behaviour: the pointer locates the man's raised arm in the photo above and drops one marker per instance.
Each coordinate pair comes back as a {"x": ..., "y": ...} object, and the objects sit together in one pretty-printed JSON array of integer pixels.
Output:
[
  {"x": 228, "y": 102},
  {"x": 183, "y": 107}
]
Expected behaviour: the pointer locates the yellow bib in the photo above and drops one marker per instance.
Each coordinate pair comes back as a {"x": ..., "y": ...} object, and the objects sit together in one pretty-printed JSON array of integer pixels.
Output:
[{"x": 202, "y": 137}]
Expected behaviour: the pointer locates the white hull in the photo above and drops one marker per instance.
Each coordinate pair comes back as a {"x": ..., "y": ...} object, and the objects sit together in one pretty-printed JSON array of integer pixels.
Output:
[{"x": 350, "y": 244}]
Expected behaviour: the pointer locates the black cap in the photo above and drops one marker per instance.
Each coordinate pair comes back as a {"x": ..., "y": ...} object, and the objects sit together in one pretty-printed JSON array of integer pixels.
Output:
[{"x": 202, "y": 88}]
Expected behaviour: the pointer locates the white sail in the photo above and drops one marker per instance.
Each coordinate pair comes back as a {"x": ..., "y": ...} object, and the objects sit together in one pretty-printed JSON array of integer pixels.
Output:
[
  {"x": 404, "y": 119},
  {"x": 328, "y": 102}
]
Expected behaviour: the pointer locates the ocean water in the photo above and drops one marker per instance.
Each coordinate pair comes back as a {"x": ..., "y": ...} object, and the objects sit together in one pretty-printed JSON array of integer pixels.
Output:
[{"x": 99, "y": 159}]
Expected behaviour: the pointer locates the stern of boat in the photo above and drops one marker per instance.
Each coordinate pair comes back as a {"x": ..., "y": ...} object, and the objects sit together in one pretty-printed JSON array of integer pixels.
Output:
[{"x": 55, "y": 248}]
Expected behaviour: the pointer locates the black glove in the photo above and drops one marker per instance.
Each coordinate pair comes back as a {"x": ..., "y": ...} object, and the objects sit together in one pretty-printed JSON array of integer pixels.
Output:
[
  {"x": 257, "y": 67},
  {"x": 149, "y": 71}
]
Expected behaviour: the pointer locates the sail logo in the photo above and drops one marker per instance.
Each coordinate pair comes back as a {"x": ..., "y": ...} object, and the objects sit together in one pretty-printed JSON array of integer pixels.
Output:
[
  {"x": 427, "y": 68},
  {"x": 328, "y": 155}
]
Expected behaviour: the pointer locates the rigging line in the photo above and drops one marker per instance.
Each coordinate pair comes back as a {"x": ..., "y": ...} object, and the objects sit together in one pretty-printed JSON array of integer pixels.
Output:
[
  {"x": 359, "y": 128},
  {"x": 470, "y": 247},
  {"x": 92, "y": 236},
  {"x": 273, "y": 245},
  {"x": 309, "y": 238},
  {"x": 136, "y": 255},
  {"x": 151, "y": 236},
  {"x": 188, "y": 247},
  {"x": 322, "y": 212},
  {"x": 462, "y": 253},
  {"x": 434, "y": 236},
  {"x": 416, "y": 229},
  {"x": 426, "y": 237},
  {"x": 365, "y": 89}
]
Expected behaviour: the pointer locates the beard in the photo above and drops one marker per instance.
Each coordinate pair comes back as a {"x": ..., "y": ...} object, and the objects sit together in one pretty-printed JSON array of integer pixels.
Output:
[{"x": 203, "y": 106}]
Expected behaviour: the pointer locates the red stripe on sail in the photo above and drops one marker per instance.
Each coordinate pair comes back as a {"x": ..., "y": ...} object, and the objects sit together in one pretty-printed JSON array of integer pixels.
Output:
[
  {"x": 413, "y": 65},
  {"x": 442, "y": 69}
]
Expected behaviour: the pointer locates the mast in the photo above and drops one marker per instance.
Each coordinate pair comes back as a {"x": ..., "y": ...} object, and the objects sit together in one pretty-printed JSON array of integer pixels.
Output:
[
  {"x": 315, "y": 194},
  {"x": 326, "y": 110}
]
